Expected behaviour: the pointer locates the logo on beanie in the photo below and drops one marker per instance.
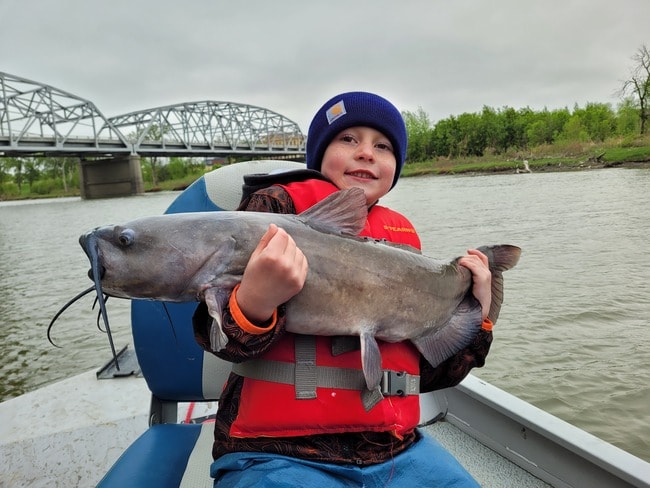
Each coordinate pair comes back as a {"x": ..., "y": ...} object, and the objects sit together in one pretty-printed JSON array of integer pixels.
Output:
[{"x": 335, "y": 112}]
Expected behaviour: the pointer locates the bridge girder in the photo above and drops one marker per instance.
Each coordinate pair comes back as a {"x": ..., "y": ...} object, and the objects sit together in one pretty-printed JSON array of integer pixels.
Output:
[
  {"x": 210, "y": 127},
  {"x": 36, "y": 118}
]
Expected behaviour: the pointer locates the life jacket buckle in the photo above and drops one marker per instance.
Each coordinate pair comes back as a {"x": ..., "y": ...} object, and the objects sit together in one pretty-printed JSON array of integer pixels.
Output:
[{"x": 396, "y": 383}]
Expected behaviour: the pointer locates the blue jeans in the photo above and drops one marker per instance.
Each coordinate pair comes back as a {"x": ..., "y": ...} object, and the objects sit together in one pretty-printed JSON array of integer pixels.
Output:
[{"x": 424, "y": 464}]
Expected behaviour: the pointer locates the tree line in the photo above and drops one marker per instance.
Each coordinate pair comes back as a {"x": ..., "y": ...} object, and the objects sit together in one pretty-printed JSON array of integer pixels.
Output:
[
  {"x": 40, "y": 176},
  {"x": 490, "y": 131},
  {"x": 498, "y": 131}
]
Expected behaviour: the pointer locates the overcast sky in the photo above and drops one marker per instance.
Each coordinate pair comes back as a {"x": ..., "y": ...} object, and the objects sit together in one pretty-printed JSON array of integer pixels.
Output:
[{"x": 445, "y": 56}]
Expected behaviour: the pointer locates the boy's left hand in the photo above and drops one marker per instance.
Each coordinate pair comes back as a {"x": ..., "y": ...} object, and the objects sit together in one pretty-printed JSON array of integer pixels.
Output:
[{"x": 477, "y": 263}]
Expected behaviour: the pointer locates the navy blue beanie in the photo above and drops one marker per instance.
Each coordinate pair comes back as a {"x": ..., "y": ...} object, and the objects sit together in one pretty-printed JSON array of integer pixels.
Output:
[{"x": 355, "y": 109}]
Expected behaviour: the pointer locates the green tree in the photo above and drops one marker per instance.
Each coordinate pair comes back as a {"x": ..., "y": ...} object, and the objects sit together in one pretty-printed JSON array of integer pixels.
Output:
[
  {"x": 514, "y": 128},
  {"x": 446, "y": 138},
  {"x": 473, "y": 140},
  {"x": 557, "y": 120},
  {"x": 492, "y": 128},
  {"x": 546, "y": 126},
  {"x": 17, "y": 165},
  {"x": 539, "y": 132},
  {"x": 598, "y": 121},
  {"x": 574, "y": 130},
  {"x": 627, "y": 118},
  {"x": 418, "y": 128},
  {"x": 152, "y": 164},
  {"x": 60, "y": 168},
  {"x": 177, "y": 168},
  {"x": 4, "y": 173},
  {"x": 32, "y": 172}
]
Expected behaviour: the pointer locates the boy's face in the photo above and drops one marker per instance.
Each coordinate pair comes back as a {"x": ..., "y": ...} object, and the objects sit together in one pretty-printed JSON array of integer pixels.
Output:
[{"x": 361, "y": 157}]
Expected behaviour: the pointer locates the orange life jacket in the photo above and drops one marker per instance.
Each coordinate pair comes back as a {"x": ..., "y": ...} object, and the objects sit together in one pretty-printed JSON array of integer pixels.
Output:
[
  {"x": 271, "y": 408},
  {"x": 383, "y": 223}
]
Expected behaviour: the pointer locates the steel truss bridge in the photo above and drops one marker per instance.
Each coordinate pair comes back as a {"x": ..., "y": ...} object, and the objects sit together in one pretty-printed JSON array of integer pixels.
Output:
[{"x": 38, "y": 119}]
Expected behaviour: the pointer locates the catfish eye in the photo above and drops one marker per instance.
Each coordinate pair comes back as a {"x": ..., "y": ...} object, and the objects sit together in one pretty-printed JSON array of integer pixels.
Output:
[{"x": 126, "y": 237}]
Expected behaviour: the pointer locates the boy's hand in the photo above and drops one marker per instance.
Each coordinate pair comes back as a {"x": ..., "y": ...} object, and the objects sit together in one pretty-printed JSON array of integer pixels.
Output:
[
  {"x": 477, "y": 263},
  {"x": 275, "y": 272}
]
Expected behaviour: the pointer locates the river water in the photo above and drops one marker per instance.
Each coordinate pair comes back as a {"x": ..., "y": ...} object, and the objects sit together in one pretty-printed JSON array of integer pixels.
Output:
[{"x": 573, "y": 336}]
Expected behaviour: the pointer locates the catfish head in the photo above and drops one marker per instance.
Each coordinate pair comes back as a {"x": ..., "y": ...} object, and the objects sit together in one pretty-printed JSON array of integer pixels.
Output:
[{"x": 170, "y": 257}]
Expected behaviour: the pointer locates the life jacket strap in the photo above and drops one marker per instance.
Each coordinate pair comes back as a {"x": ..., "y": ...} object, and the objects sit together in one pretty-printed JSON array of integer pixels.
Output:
[
  {"x": 310, "y": 377},
  {"x": 306, "y": 374}
]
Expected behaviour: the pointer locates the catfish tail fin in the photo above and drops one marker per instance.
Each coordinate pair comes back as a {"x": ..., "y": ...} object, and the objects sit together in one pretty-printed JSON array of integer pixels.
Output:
[{"x": 501, "y": 258}]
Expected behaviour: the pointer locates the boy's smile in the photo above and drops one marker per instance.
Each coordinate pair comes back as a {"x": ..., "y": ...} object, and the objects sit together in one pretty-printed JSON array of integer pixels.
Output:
[
  {"x": 361, "y": 174},
  {"x": 361, "y": 157}
]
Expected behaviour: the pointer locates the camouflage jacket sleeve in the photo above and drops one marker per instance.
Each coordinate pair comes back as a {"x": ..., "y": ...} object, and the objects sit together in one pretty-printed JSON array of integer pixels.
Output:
[
  {"x": 453, "y": 370},
  {"x": 242, "y": 345}
]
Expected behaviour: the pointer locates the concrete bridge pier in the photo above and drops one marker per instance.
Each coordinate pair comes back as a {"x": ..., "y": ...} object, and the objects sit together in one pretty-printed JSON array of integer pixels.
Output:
[{"x": 112, "y": 177}]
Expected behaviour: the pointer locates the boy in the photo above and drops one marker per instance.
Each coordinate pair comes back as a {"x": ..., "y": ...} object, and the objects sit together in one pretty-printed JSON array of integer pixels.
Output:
[{"x": 270, "y": 433}]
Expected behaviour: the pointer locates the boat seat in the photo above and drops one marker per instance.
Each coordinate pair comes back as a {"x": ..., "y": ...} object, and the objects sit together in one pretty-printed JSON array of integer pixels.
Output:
[
  {"x": 166, "y": 455},
  {"x": 172, "y": 453}
]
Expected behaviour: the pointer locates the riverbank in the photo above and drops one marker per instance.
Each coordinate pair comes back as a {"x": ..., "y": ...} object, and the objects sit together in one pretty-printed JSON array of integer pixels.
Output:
[
  {"x": 541, "y": 160},
  {"x": 574, "y": 157}
]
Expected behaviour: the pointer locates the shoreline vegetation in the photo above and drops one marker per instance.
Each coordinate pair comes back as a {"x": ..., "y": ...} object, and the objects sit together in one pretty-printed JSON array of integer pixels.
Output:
[
  {"x": 575, "y": 157},
  {"x": 542, "y": 159}
]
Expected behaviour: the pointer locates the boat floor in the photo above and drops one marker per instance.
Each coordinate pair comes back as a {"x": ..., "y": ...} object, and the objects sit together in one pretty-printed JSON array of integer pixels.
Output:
[
  {"x": 488, "y": 467},
  {"x": 69, "y": 434}
]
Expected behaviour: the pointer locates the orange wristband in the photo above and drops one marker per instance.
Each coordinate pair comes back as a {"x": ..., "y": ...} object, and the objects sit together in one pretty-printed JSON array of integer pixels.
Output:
[
  {"x": 241, "y": 320},
  {"x": 487, "y": 325}
]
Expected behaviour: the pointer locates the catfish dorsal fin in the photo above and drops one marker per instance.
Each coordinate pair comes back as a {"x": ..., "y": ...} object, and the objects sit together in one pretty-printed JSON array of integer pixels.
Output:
[{"x": 343, "y": 213}]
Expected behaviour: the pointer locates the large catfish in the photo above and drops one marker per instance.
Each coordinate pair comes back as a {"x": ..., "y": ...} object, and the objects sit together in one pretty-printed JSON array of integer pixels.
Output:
[{"x": 354, "y": 286}]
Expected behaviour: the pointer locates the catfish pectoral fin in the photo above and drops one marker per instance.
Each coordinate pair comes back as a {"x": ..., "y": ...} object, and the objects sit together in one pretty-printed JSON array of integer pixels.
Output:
[
  {"x": 216, "y": 299},
  {"x": 370, "y": 360},
  {"x": 456, "y": 334}
]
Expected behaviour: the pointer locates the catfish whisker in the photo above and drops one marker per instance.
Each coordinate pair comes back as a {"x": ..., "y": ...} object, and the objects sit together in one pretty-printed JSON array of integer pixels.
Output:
[
  {"x": 99, "y": 313},
  {"x": 63, "y": 309}
]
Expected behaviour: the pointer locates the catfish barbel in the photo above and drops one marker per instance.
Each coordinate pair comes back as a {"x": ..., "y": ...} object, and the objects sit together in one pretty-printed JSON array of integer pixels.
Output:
[{"x": 354, "y": 286}]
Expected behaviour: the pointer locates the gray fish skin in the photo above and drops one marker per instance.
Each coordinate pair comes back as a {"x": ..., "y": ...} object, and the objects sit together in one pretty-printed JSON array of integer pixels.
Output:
[{"x": 354, "y": 286}]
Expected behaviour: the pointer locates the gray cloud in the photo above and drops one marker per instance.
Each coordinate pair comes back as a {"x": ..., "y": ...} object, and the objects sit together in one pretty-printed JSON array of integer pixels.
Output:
[{"x": 289, "y": 56}]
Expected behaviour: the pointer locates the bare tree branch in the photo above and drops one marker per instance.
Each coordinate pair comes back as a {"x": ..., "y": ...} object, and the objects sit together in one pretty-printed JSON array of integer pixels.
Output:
[{"x": 638, "y": 85}]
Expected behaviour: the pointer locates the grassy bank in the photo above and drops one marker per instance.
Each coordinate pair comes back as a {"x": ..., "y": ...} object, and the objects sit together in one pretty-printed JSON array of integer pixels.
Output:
[
  {"x": 570, "y": 157},
  {"x": 172, "y": 185},
  {"x": 169, "y": 185}
]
